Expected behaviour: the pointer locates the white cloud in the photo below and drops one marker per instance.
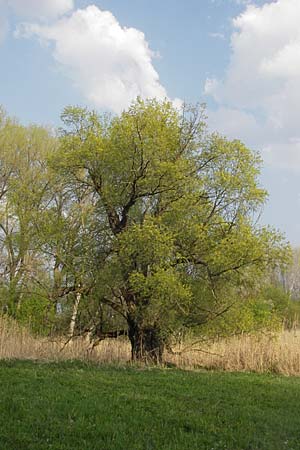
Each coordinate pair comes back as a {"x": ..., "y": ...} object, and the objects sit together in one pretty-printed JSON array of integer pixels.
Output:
[
  {"x": 109, "y": 63},
  {"x": 262, "y": 80},
  {"x": 243, "y": 2},
  {"x": 217, "y": 35},
  {"x": 232, "y": 121},
  {"x": 42, "y": 9}
]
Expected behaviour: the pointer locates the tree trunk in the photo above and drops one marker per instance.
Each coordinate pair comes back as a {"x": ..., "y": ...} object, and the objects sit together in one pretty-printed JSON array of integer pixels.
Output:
[
  {"x": 74, "y": 314},
  {"x": 147, "y": 344}
]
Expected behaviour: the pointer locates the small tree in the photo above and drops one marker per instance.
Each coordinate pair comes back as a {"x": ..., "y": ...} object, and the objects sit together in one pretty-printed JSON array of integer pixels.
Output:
[{"x": 175, "y": 207}]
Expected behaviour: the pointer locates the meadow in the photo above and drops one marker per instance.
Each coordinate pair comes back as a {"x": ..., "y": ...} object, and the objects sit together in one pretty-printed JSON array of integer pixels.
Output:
[
  {"x": 76, "y": 406},
  {"x": 68, "y": 397}
]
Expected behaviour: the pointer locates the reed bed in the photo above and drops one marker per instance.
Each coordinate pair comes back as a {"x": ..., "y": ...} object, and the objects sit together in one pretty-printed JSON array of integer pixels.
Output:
[
  {"x": 278, "y": 353},
  {"x": 16, "y": 342}
]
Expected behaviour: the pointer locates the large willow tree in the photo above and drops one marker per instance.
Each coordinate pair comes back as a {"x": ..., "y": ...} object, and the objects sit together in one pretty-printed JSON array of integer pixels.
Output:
[{"x": 175, "y": 210}]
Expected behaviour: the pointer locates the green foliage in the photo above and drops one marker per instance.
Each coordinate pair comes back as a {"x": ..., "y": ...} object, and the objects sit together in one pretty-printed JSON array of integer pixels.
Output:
[
  {"x": 178, "y": 207},
  {"x": 37, "y": 314},
  {"x": 25, "y": 191},
  {"x": 277, "y": 299},
  {"x": 143, "y": 216},
  {"x": 292, "y": 315}
]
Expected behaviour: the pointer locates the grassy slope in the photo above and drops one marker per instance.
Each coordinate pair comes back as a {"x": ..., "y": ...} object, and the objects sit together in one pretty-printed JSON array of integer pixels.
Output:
[{"x": 73, "y": 406}]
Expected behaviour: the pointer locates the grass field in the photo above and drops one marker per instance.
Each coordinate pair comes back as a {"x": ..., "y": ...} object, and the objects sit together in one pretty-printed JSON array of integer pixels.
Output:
[{"x": 78, "y": 406}]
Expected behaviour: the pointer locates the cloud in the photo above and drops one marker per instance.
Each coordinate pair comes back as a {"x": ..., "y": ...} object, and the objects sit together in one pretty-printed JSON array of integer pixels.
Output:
[
  {"x": 243, "y": 2},
  {"x": 231, "y": 121},
  {"x": 262, "y": 80},
  {"x": 42, "y": 9},
  {"x": 217, "y": 35},
  {"x": 110, "y": 64}
]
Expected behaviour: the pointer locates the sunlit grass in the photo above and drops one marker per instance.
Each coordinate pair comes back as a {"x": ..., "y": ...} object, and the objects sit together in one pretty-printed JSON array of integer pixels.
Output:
[{"x": 78, "y": 406}]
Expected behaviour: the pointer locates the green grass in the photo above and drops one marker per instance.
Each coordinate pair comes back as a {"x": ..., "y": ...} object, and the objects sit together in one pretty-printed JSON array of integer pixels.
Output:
[{"x": 76, "y": 406}]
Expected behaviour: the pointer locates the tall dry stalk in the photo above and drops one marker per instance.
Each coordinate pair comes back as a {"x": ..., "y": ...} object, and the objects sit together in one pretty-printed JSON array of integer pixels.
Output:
[
  {"x": 17, "y": 343},
  {"x": 278, "y": 353},
  {"x": 271, "y": 353}
]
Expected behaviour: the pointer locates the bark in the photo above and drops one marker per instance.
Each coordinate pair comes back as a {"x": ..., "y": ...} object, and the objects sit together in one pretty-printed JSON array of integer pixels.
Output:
[
  {"x": 74, "y": 314},
  {"x": 147, "y": 344}
]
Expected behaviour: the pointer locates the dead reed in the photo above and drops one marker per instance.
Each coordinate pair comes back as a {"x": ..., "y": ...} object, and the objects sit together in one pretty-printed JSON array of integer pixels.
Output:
[
  {"x": 17, "y": 343},
  {"x": 270, "y": 353},
  {"x": 278, "y": 353}
]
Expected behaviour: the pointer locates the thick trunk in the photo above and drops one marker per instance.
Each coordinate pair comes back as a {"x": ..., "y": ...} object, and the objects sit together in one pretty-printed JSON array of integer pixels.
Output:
[{"x": 146, "y": 343}]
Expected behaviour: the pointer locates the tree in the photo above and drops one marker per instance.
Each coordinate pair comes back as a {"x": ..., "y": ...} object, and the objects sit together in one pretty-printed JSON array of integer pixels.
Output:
[
  {"x": 67, "y": 239},
  {"x": 25, "y": 190},
  {"x": 44, "y": 227},
  {"x": 175, "y": 210},
  {"x": 290, "y": 278}
]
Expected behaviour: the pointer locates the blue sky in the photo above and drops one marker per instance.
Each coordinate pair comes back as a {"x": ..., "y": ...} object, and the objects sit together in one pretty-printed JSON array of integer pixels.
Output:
[{"x": 242, "y": 58}]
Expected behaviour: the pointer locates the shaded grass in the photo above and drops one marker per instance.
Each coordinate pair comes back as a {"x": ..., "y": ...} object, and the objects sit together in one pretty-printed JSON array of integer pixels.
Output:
[{"x": 81, "y": 406}]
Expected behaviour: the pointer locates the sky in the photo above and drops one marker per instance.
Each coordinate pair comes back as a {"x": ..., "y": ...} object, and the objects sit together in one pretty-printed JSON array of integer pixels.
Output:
[{"x": 240, "y": 57}]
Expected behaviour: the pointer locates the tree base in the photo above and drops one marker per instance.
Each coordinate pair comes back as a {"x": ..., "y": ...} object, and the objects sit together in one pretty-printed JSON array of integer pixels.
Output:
[{"x": 146, "y": 344}]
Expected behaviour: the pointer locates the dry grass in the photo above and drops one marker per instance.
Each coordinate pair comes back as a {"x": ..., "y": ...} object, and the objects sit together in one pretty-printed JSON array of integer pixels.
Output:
[
  {"x": 17, "y": 343},
  {"x": 279, "y": 354}
]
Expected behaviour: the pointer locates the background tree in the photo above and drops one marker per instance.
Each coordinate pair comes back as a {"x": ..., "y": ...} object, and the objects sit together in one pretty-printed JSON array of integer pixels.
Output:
[
  {"x": 290, "y": 278},
  {"x": 25, "y": 193},
  {"x": 47, "y": 234}
]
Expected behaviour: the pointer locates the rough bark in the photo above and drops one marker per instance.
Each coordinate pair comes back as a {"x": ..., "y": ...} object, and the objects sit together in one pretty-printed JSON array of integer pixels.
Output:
[{"x": 147, "y": 344}]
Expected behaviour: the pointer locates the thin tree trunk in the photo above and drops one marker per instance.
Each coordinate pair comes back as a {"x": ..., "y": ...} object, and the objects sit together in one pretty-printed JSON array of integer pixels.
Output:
[{"x": 74, "y": 314}]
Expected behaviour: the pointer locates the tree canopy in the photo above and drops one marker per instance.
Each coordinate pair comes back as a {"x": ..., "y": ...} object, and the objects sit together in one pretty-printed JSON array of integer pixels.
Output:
[
  {"x": 142, "y": 223},
  {"x": 176, "y": 208}
]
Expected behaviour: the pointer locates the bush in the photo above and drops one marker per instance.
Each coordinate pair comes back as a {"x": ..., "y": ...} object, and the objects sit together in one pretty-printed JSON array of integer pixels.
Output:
[{"x": 38, "y": 314}]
